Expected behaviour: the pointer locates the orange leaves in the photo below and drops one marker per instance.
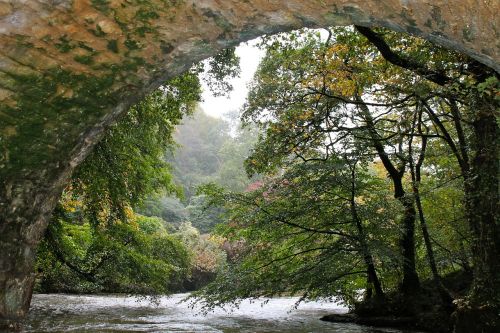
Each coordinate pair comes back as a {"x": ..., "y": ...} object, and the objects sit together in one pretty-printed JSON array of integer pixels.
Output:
[
  {"x": 333, "y": 73},
  {"x": 337, "y": 51},
  {"x": 71, "y": 205},
  {"x": 344, "y": 87}
]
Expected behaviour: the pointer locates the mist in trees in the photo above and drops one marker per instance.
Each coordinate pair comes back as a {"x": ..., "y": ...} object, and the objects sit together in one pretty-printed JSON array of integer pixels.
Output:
[
  {"x": 208, "y": 150},
  {"x": 120, "y": 225}
]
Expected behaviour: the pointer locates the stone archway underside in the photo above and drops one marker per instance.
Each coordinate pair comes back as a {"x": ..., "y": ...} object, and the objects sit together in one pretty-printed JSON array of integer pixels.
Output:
[{"x": 69, "y": 68}]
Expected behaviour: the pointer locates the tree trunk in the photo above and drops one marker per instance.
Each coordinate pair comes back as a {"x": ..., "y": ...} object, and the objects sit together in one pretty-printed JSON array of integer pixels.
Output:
[
  {"x": 25, "y": 215},
  {"x": 372, "y": 278},
  {"x": 416, "y": 179},
  {"x": 443, "y": 292},
  {"x": 411, "y": 283},
  {"x": 482, "y": 307},
  {"x": 373, "y": 282}
]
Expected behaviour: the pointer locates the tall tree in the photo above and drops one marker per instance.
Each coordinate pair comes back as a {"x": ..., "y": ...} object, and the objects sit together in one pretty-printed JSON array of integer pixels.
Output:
[
  {"x": 475, "y": 87},
  {"x": 309, "y": 101},
  {"x": 305, "y": 231},
  {"x": 362, "y": 88},
  {"x": 94, "y": 228}
]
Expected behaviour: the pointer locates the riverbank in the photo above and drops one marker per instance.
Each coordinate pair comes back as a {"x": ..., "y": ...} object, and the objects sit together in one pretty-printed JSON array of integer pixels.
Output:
[
  {"x": 404, "y": 323},
  {"x": 424, "y": 311}
]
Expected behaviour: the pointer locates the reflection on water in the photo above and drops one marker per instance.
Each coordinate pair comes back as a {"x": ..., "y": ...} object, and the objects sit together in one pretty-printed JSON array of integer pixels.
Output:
[{"x": 69, "y": 313}]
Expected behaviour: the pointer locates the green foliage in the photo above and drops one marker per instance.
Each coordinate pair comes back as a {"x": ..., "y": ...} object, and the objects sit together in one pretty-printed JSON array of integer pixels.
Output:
[
  {"x": 209, "y": 151},
  {"x": 170, "y": 209},
  {"x": 202, "y": 216},
  {"x": 151, "y": 225},
  {"x": 197, "y": 159},
  {"x": 127, "y": 165},
  {"x": 300, "y": 236},
  {"x": 138, "y": 257},
  {"x": 222, "y": 67},
  {"x": 206, "y": 256},
  {"x": 96, "y": 243},
  {"x": 95, "y": 240},
  {"x": 325, "y": 103}
]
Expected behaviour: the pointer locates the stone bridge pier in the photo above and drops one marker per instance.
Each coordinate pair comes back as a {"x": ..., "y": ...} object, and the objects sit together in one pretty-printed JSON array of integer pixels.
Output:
[{"x": 69, "y": 68}]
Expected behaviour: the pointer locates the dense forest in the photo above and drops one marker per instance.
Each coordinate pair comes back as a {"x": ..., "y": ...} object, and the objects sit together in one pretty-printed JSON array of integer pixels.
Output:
[
  {"x": 208, "y": 150},
  {"x": 370, "y": 175},
  {"x": 167, "y": 230}
]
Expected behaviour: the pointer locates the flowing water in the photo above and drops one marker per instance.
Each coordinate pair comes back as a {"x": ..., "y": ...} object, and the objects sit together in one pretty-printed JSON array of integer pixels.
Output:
[{"x": 69, "y": 313}]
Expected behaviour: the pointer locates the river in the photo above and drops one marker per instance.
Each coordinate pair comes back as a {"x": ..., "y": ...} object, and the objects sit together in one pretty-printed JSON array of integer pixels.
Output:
[{"x": 111, "y": 313}]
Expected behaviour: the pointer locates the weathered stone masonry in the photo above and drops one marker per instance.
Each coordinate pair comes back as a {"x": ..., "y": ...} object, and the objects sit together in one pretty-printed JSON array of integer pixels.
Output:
[{"x": 68, "y": 69}]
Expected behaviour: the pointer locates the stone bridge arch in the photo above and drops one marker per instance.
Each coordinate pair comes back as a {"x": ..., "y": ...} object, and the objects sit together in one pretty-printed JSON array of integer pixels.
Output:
[{"x": 69, "y": 68}]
